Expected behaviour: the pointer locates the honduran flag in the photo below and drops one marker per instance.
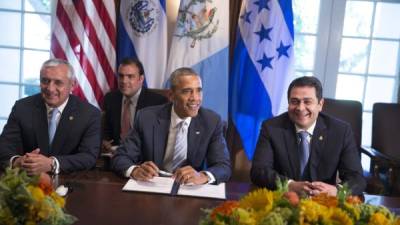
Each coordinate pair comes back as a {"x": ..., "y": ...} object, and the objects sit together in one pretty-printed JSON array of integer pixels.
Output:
[
  {"x": 142, "y": 33},
  {"x": 201, "y": 41},
  {"x": 262, "y": 66}
]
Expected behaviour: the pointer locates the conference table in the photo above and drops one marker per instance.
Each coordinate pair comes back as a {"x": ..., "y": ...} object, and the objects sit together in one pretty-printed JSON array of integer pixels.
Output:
[{"x": 96, "y": 197}]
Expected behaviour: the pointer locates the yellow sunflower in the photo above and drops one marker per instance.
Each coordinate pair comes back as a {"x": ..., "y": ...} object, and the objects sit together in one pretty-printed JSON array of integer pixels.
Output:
[
  {"x": 338, "y": 216},
  {"x": 378, "y": 219},
  {"x": 259, "y": 201},
  {"x": 312, "y": 212}
]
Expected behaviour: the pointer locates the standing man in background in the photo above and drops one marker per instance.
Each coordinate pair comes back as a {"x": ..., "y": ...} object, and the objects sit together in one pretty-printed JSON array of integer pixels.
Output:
[
  {"x": 120, "y": 106},
  {"x": 307, "y": 147},
  {"x": 52, "y": 131}
]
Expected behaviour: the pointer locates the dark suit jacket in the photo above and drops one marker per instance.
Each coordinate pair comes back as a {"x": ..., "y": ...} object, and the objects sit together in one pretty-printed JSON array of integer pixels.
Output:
[
  {"x": 112, "y": 111},
  {"x": 147, "y": 142},
  {"x": 76, "y": 142},
  {"x": 333, "y": 149}
]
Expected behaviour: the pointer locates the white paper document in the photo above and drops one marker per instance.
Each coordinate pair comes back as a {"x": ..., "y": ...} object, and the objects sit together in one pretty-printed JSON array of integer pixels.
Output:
[{"x": 164, "y": 185}]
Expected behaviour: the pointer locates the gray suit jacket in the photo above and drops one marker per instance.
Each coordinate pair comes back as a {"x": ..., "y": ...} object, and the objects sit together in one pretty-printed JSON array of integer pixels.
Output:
[
  {"x": 333, "y": 149},
  {"x": 76, "y": 142},
  {"x": 147, "y": 142}
]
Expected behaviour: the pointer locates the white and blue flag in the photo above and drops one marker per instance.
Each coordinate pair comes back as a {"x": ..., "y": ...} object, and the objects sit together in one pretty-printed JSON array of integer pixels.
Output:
[
  {"x": 262, "y": 66},
  {"x": 201, "y": 41},
  {"x": 142, "y": 33}
]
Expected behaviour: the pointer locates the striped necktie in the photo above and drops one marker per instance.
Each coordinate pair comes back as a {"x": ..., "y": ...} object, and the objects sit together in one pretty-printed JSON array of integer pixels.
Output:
[{"x": 52, "y": 124}]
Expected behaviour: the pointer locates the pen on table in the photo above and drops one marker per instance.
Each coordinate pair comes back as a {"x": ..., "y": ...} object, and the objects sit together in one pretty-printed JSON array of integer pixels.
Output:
[{"x": 164, "y": 173}]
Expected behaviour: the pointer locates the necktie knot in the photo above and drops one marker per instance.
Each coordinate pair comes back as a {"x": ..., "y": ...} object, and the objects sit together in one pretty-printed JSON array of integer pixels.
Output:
[
  {"x": 303, "y": 135},
  {"x": 127, "y": 102}
]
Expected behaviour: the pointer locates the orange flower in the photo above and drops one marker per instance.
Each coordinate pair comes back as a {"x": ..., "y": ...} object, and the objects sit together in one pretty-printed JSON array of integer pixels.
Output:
[
  {"x": 354, "y": 200},
  {"x": 45, "y": 183},
  {"x": 326, "y": 200},
  {"x": 225, "y": 209}
]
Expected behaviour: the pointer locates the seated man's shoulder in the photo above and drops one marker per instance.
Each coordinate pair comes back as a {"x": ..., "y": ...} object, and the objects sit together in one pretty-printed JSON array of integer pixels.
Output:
[{"x": 84, "y": 107}]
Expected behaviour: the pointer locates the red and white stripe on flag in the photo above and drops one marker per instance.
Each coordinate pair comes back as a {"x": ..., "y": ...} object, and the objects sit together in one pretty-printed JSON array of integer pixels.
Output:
[{"x": 84, "y": 33}]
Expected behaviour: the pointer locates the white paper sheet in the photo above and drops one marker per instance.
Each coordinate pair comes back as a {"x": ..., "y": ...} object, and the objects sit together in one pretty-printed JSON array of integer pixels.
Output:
[
  {"x": 164, "y": 185},
  {"x": 206, "y": 190},
  {"x": 155, "y": 185}
]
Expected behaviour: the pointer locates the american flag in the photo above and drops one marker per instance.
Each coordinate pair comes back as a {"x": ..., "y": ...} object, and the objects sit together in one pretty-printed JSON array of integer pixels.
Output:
[{"x": 84, "y": 33}]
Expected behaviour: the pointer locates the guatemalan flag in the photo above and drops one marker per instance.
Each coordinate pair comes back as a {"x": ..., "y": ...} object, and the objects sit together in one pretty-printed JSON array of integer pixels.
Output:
[
  {"x": 262, "y": 66},
  {"x": 201, "y": 41},
  {"x": 142, "y": 33}
]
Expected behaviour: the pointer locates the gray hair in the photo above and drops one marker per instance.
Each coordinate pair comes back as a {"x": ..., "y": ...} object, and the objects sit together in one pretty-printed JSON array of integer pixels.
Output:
[
  {"x": 56, "y": 62},
  {"x": 180, "y": 72}
]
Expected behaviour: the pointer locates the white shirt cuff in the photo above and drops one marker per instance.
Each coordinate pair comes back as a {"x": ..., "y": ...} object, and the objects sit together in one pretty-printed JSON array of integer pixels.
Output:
[
  {"x": 57, "y": 169},
  {"x": 128, "y": 172},
  {"x": 12, "y": 160},
  {"x": 211, "y": 178}
]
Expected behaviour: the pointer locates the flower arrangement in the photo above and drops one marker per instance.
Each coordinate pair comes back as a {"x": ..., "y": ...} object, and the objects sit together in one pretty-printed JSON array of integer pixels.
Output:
[
  {"x": 281, "y": 207},
  {"x": 30, "y": 200}
]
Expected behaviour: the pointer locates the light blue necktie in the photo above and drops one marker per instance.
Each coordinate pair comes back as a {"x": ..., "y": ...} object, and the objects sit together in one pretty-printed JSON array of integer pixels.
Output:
[
  {"x": 52, "y": 124},
  {"x": 180, "y": 150},
  {"x": 304, "y": 150}
]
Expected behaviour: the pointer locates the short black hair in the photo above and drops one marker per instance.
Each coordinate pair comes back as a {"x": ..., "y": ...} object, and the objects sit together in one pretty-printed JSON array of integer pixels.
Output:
[
  {"x": 180, "y": 72},
  {"x": 307, "y": 82},
  {"x": 133, "y": 61}
]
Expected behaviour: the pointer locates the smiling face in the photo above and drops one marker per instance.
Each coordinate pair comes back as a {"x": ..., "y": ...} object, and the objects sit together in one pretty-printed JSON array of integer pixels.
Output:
[
  {"x": 55, "y": 85},
  {"x": 187, "y": 96},
  {"x": 304, "y": 106}
]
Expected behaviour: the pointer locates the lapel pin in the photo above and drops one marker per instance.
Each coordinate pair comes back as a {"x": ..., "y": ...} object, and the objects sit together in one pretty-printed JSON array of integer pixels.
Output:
[
  {"x": 197, "y": 132},
  {"x": 321, "y": 138},
  {"x": 71, "y": 118}
]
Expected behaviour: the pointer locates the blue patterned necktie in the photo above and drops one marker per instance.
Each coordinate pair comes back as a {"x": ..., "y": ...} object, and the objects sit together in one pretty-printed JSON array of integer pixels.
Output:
[
  {"x": 52, "y": 124},
  {"x": 304, "y": 150},
  {"x": 180, "y": 149}
]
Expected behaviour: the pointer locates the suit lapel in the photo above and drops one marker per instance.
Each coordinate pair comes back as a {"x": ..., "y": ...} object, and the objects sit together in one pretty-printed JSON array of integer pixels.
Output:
[
  {"x": 40, "y": 126},
  {"x": 194, "y": 136},
  {"x": 317, "y": 145},
  {"x": 65, "y": 124},
  {"x": 160, "y": 134},
  {"x": 290, "y": 139}
]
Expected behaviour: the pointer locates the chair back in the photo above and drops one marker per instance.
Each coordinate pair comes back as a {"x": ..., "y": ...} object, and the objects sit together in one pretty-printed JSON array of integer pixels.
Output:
[
  {"x": 385, "y": 129},
  {"x": 347, "y": 110}
]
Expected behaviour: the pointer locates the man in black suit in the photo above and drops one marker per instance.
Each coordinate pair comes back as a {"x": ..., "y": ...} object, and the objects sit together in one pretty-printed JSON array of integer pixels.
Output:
[
  {"x": 130, "y": 86},
  {"x": 52, "y": 131},
  {"x": 331, "y": 144},
  {"x": 153, "y": 144}
]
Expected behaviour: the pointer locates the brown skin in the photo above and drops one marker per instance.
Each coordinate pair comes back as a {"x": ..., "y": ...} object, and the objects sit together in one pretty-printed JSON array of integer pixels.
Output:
[
  {"x": 55, "y": 87},
  {"x": 303, "y": 110},
  {"x": 187, "y": 98},
  {"x": 129, "y": 83}
]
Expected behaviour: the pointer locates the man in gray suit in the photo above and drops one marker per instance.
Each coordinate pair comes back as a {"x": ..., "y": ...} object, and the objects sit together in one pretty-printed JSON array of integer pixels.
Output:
[
  {"x": 52, "y": 131},
  {"x": 331, "y": 146},
  {"x": 153, "y": 143}
]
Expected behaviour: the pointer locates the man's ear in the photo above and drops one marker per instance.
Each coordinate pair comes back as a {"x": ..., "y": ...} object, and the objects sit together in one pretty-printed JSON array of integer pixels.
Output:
[
  {"x": 73, "y": 84},
  {"x": 321, "y": 102}
]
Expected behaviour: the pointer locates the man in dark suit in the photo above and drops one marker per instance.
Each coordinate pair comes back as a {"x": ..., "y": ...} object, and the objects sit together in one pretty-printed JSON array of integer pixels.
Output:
[
  {"x": 130, "y": 86},
  {"x": 52, "y": 131},
  {"x": 330, "y": 146},
  {"x": 159, "y": 131}
]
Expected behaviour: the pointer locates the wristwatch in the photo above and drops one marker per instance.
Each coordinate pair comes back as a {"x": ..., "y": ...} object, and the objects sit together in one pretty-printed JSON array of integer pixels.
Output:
[{"x": 53, "y": 166}]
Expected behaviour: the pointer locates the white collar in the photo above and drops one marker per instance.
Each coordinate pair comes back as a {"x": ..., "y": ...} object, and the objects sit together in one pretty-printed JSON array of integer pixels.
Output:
[
  {"x": 175, "y": 119},
  {"x": 134, "y": 98},
  {"x": 60, "y": 108},
  {"x": 310, "y": 130}
]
